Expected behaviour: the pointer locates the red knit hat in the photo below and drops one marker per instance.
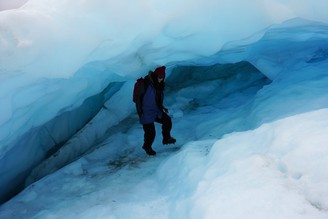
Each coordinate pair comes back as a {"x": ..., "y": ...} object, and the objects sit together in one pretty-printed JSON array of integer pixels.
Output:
[{"x": 160, "y": 71}]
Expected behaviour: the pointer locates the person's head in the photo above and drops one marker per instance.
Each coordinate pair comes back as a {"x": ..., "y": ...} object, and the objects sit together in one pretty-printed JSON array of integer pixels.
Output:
[{"x": 160, "y": 73}]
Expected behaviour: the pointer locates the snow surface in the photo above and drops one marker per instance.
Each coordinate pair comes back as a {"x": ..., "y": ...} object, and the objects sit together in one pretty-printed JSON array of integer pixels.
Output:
[{"x": 247, "y": 90}]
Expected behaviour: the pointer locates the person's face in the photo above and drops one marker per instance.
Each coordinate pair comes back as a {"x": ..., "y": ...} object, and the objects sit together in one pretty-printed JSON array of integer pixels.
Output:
[{"x": 160, "y": 79}]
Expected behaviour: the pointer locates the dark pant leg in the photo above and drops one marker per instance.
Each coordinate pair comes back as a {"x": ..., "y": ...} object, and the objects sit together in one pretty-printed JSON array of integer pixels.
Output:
[
  {"x": 166, "y": 125},
  {"x": 149, "y": 135}
]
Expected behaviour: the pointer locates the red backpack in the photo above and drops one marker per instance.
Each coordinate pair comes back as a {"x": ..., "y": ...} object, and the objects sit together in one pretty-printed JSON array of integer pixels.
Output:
[{"x": 137, "y": 85}]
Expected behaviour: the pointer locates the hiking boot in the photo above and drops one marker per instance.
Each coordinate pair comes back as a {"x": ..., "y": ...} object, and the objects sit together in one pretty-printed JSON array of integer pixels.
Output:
[
  {"x": 149, "y": 151},
  {"x": 169, "y": 140}
]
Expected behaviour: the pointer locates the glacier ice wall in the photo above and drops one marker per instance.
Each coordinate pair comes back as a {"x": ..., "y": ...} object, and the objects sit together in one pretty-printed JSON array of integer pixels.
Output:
[{"x": 56, "y": 54}]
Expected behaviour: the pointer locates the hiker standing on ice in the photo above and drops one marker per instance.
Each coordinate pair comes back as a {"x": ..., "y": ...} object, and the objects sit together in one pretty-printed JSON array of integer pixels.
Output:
[{"x": 148, "y": 96}]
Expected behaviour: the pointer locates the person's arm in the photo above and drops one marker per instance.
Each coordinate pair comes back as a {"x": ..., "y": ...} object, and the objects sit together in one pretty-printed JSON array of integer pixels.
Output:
[{"x": 162, "y": 107}]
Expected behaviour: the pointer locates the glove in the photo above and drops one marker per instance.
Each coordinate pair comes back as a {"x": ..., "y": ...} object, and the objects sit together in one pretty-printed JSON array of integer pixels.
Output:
[{"x": 165, "y": 110}]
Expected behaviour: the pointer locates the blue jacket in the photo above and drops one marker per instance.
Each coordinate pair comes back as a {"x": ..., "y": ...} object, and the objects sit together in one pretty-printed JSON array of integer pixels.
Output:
[
  {"x": 149, "y": 102},
  {"x": 150, "y": 109}
]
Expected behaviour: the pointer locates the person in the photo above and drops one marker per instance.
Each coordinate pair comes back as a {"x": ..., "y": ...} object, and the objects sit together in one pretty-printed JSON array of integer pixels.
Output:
[{"x": 149, "y": 104}]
